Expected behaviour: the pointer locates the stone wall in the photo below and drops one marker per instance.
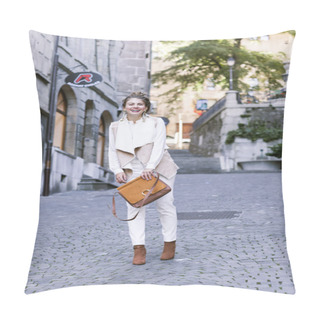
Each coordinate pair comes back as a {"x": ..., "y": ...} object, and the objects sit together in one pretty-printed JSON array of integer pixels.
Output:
[
  {"x": 134, "y": 68},
  {"x": 210, "y": 131},
  {"x": 206, "y": 140},
  {"x": 66, "y": 171}
]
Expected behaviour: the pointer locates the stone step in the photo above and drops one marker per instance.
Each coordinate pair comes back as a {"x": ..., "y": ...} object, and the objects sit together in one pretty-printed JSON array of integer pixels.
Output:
[
  {"x": 187, "y": 162},
  {"x": 92, "y": 186},
  {"x": 179, "y": 151},
  {"x": 192, "y": 164},
  {"x": 90, "y": 180},
  {"x": 183, "y": 153},
  {"x": 89, "y": 183}
]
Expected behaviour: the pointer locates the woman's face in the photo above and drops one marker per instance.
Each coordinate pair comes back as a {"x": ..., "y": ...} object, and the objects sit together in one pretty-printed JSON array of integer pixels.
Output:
[{"x": 135, "y": 107}]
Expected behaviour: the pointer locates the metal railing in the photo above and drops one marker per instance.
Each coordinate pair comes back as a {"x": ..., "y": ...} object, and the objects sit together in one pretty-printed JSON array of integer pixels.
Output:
[{"x": 207, "y": 115}]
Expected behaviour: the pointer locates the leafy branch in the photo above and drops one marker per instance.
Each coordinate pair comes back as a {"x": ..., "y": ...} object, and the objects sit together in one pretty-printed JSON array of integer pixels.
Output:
[
  {"x": 192, "y": 63},
  {"x": 255, "y": 130}
]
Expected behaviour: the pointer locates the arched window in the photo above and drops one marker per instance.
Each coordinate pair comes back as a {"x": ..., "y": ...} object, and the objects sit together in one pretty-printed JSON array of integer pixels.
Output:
[
  {"x": 101, "y": 142},
  {"x": 60, "y": 122}
]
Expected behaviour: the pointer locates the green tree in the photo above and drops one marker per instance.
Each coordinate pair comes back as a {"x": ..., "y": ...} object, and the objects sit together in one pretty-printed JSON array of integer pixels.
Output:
[{"x": 192, "y": 63}]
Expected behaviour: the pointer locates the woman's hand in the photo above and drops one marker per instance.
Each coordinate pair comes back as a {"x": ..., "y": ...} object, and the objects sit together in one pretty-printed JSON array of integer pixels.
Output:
[
  {"x": 147, "y": 174},
  {"x": 121, "y": 177}
]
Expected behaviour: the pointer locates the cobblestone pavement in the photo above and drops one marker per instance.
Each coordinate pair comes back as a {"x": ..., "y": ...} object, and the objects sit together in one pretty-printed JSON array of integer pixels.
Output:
[{"x": 79, "y": 242}]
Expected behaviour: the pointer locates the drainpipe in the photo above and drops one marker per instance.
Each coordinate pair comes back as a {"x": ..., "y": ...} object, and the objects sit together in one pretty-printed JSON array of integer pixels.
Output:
[{"x": 52, "y": 112}]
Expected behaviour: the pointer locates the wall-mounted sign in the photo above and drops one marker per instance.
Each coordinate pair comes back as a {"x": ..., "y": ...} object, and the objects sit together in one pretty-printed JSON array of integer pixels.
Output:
[
  {"x": 83, "y": 79},
  {"x": 202, "y": 104}
]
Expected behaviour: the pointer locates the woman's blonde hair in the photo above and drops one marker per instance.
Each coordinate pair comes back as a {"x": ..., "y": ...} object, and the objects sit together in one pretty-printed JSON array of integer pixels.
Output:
[{"x": 138, "y": 95}]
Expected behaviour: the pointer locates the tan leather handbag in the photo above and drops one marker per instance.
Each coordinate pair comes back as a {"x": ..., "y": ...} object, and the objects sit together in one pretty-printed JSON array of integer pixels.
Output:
[{"x": 139, "y": 192}]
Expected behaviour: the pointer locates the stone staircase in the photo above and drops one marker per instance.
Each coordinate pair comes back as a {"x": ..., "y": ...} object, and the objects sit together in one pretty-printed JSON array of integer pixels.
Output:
[
  {"x": 187, "y": 162},
  {"x": 91, "y": 184},
  {"x": 190, "y": 163}
]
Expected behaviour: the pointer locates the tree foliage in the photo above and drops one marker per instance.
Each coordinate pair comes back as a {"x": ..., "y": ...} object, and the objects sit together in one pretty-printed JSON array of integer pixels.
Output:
[
  {"x": 276, "y": 151},
  {"x": 194, "y": 62}
]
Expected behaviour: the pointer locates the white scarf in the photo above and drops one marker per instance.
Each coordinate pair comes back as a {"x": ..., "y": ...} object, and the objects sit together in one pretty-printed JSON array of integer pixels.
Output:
[{"x": 133, "y": 135}]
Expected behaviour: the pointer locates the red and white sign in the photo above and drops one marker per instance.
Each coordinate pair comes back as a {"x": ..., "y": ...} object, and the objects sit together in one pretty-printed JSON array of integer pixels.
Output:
[{"x": 83, "y": 79}]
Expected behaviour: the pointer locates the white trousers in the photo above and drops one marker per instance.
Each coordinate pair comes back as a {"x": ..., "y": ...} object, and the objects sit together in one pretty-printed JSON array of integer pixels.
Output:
[{"x": 165, "y": 207}]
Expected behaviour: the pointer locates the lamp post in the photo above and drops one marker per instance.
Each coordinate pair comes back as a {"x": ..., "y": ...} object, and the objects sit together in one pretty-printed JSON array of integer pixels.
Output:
[{"x": 230, "y": 63}]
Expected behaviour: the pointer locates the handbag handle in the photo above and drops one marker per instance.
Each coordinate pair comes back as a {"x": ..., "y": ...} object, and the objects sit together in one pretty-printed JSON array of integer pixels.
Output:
[{"x": 142, "y": 204}]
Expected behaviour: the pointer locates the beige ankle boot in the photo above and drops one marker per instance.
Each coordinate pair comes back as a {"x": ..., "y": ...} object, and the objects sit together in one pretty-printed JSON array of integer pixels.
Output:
[
  {"x": 168, "y": 250},
  {"x": 139, "y": 255}
]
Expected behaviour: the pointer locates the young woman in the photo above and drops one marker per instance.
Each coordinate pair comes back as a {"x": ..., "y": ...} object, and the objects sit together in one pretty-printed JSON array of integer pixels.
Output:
[{"x": 137, "y": 147}]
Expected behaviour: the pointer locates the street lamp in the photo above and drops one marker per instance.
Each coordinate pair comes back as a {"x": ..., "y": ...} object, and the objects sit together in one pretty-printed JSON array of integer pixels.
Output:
[{"x": 230, "y": 63}]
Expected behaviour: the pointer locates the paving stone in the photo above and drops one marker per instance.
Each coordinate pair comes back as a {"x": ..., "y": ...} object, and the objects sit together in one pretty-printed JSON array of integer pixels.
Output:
[{"x": 79, "y": 242}]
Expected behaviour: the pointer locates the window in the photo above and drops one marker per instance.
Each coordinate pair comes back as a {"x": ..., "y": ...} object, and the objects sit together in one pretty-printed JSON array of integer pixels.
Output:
[
  {"x": 101, "y": 142},
  {"x": 209, "y": 85},
  {"x": 60, "y": 122}
]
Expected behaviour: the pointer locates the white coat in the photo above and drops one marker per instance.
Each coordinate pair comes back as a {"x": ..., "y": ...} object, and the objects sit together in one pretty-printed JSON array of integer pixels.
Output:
[{"x": 144, "y": 139}]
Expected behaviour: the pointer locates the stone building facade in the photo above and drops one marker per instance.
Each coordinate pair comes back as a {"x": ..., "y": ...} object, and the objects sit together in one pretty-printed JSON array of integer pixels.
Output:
[{"x": 82, "y": 115}]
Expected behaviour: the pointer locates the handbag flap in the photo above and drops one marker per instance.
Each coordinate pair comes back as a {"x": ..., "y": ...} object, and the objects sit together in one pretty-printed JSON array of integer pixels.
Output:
[{"x": 136, "y": 189}]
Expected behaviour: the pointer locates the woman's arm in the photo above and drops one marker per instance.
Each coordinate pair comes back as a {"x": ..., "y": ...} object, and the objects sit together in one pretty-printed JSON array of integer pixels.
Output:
[
  {"x": 159, "y": 145},
  {"x": 114, "y": 163}
]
